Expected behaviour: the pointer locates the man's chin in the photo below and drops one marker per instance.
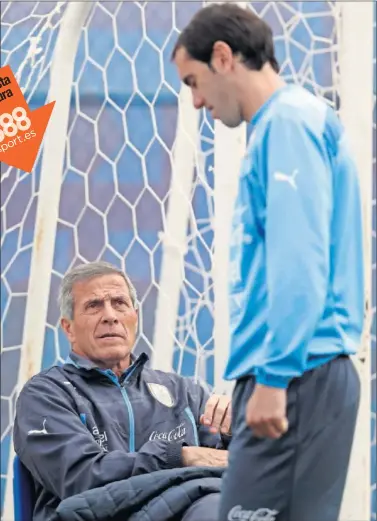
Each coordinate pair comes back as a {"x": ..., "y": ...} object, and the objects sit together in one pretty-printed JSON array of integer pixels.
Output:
[
  {"x": 114, "y": 353},
  {"x": 232, "y": 123}
]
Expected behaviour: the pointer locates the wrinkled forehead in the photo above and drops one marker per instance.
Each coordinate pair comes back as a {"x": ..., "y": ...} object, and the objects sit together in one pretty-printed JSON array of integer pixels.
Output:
[{"x": 104, "y": 287}]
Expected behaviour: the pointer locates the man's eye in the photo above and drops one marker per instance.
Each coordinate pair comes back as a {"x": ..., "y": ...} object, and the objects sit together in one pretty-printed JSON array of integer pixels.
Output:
[{"x": 120, "y": 302}]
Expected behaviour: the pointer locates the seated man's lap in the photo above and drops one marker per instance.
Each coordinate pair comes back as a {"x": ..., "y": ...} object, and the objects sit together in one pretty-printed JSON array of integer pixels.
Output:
[{"x": 205, "y": 509}]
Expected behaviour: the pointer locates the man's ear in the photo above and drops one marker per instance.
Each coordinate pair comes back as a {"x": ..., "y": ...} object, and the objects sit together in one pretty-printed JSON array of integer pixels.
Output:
[
  {"x": 222, "y": 57},
  {"x": 67, "y": 327}
]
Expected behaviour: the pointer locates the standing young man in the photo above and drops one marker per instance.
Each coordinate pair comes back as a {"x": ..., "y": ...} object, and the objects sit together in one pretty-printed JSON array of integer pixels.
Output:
[{"x": 296, "y": 288}]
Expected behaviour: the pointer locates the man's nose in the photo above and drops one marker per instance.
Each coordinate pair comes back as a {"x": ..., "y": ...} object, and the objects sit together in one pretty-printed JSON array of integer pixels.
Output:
[
  {"x": 197, "y": 100},
  {"x": 109, "y": 314}
]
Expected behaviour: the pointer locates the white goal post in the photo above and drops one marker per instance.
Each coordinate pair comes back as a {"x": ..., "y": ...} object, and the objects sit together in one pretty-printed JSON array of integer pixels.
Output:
[
  {"x": 356, "y": 77},
  {"x": 48, "y": 206},
  {"x": 355, "y": 82}
]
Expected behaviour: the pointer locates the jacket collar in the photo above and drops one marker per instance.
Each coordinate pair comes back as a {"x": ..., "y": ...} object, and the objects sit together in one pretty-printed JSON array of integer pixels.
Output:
[{"x": 81, "y": 363}]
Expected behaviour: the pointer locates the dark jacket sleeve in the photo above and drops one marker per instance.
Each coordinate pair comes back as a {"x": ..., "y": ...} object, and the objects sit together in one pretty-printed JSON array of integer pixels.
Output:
[
  {"x": 198, "y": 397},
  {"x": 60, "y": 452}
]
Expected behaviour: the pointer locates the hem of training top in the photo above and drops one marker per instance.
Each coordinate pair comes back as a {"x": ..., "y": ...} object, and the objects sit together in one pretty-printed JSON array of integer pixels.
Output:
[{"x": 280, "y": 382}]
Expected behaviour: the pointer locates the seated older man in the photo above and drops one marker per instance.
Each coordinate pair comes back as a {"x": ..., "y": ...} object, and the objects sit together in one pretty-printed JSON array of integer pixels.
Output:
[{"x": 104, "y": 416}]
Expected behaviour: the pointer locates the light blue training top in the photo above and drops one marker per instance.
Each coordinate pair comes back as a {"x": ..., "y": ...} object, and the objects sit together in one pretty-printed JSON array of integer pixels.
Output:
[{"x": 296, "y": 261}]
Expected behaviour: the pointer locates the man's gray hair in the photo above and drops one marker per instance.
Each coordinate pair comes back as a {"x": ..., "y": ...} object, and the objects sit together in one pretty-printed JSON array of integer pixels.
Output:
[{"x": 87, "y": 271}]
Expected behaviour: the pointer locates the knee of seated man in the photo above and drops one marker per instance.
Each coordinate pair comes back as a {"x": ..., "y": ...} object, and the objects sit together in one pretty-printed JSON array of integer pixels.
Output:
[{"x": 204, "y": 509}]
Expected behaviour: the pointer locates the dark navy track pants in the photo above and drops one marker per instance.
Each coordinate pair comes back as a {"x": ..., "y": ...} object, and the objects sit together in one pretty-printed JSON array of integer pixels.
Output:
[{"x": 301, "y": 476}]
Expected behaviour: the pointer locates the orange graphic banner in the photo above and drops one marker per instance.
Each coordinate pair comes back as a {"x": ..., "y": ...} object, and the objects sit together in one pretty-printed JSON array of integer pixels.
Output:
[{"x": 21, "y": 130}]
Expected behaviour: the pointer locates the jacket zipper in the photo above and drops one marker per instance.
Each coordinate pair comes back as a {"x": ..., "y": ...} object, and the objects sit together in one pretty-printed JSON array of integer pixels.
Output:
[
  {"x": 131, "y": 417},
  {"x": 193, "y": 423}
]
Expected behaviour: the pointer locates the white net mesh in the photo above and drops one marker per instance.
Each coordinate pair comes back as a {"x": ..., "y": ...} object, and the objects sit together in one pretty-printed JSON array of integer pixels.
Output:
[{"x": 116, "y": 186}]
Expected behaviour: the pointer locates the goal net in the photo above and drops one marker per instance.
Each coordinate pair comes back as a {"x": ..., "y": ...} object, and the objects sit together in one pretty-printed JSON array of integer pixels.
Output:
[{"x": 130, "y": 173}]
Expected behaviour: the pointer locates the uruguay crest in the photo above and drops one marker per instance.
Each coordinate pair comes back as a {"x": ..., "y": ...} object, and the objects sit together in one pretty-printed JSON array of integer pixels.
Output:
[{"x": 161, "y": 393}]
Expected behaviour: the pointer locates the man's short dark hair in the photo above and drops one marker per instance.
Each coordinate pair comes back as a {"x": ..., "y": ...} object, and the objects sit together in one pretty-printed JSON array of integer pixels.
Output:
[{"x": 247, "y": 35}]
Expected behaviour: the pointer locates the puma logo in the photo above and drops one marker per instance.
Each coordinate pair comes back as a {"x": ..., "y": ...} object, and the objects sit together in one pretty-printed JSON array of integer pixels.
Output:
[
  {"x": 43, "y": 431},
  {"x": 290, "y": 179}
]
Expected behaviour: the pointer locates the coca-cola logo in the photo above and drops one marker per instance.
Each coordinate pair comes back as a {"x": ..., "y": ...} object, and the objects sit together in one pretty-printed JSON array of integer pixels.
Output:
[
  {"x": 175, "y": 434},
  {"x": 262, "y": 514}
]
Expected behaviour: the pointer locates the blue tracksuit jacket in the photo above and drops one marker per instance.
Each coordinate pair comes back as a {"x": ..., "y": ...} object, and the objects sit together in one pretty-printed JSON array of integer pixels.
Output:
[{"x": 79, "y": 428}]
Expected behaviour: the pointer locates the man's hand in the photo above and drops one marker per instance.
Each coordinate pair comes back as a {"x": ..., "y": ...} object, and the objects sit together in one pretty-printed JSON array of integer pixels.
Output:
[
  {"x": 204, "y": 457},
  {"x": 266, "y": 412},
  {"x": 218, "y": 414}
]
